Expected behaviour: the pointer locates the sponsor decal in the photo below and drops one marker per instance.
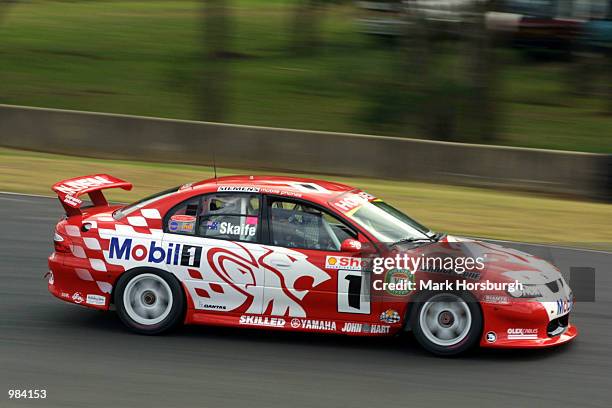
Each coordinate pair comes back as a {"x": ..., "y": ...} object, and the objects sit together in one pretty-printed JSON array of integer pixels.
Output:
[
  {"x": 496, "y": 299},
  {"x": 72, "y": 201},
  {"x": 77, "y": 297},
  {"x": 390, "y": 316},
  {"x": 564, "y": 306},
  {"x": 348, "y": 202},
  {"x": 491, "y": 337},
  {"x": 376, "y": 328},
  {"x": 353, "y": 243},
  {"x": 74, "y": 186},
  {"x": 174, "y": 254},
  {"x": 231, "y": 229},
  {"x": 398, "y": 282},
  {"x": 65, "y": 295},
  {"x": 96, "y": 300},
  {"x": 343, "y": 262},
  {"x": 202, "y": 305},
  {"x": 280, "y": 192},
  {"x": 239, "y": 189},
  {"x": 522, "y": 334},
  {"x": 262, "y": 321},
  {"x": 311, "y": 324},
  {"x": 182, "y": 223},
  {"x": 352, "y": 327}
]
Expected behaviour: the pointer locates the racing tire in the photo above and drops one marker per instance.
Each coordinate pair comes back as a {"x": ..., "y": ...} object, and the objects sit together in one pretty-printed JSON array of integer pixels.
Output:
[
  {"x": 447, "y": 323},
  {"x": 149, "y": 301}
]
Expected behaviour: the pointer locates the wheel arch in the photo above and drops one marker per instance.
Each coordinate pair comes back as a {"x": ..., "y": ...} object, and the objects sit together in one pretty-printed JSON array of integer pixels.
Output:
[{"x": 143, "y": 269}]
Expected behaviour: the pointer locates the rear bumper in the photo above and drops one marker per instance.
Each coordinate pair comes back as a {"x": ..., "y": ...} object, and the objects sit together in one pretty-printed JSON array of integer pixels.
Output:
[{"x": 76, "y": 286}]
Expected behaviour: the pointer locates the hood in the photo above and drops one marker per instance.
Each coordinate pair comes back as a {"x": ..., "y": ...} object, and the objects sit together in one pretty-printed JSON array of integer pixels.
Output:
[{"x": 493, "y": 262}]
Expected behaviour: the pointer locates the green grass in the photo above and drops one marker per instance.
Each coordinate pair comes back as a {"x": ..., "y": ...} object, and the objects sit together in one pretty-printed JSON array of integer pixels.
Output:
[
  {"x": 141, "y": 57},
  {"x": 457, "y": 210}
]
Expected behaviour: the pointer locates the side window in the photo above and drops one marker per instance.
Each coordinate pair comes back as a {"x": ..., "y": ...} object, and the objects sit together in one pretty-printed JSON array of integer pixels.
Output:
[
  {"x": 298, "y": 225},
  {"x": 229, "y": 216},
  {"x": 225, "y": 216}
]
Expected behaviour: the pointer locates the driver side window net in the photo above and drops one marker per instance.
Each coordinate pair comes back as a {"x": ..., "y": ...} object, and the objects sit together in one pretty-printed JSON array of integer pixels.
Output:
[{"x": 297, "y": 225}]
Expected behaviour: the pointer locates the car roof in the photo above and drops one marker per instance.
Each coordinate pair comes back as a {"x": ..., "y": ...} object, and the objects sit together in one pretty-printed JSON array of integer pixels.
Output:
[{"x": 315, "y": 190}]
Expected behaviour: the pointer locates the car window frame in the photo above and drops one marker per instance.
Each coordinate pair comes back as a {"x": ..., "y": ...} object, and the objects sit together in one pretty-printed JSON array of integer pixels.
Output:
[
  {"x": 269, "y": 199},
  {"x": 258, "y": 236}
]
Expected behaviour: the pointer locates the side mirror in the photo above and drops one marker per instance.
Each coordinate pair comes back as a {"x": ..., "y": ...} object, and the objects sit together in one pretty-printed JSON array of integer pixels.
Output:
[{"x": 350, "y": 245}]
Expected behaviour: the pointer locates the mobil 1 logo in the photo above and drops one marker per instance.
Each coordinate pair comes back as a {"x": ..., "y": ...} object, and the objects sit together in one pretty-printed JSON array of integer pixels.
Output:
[{"x": 174, "y": 254}]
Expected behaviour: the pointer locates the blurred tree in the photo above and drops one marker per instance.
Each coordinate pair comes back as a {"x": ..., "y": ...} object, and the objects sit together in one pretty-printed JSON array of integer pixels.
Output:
[
  {"x": 212, "y": 92},
  {"x": 482, "y": 73},
  {"x": 607, "y": 35},
  {"x": 415, "y": 65},
  {"x": 305, "y": 29},
  {"x": 4, "y": 6},
  {"x": 591, "y": 70}
]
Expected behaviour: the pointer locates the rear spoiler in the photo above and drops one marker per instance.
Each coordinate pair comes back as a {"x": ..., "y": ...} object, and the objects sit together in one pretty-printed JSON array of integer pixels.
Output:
[{"x": 68, "y": 191}]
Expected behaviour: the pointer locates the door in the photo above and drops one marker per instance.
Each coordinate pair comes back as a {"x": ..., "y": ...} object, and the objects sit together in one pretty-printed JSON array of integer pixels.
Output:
[
  {"x": 308, "y": 269},
  {"x": 215, "y": 237}
]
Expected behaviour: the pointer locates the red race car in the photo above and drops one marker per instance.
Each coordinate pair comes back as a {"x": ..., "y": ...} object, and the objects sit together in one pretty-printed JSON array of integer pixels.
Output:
[{"x": 297, "y": 254}]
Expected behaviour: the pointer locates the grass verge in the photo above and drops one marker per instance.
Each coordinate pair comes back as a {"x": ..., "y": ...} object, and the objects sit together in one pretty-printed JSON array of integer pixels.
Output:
[{"x": 452, "y": 209}]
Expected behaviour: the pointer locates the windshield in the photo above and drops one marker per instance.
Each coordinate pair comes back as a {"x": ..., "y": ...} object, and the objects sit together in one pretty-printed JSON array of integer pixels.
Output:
[
  {"x": 381, "y": 220},
  {"x": 128, "y": 209}
]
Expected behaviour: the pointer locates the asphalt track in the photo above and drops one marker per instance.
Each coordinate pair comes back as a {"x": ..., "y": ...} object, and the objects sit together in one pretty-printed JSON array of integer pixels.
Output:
[{"x": 85, "y": 358}]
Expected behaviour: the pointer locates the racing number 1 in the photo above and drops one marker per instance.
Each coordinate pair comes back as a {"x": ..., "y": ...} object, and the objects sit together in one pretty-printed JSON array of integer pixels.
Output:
[
  {"x": 191, "y": 256},
  {"x": 352, "y": 293}
]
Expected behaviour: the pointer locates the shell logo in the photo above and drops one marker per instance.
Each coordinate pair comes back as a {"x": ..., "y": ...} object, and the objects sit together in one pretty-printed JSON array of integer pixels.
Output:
[{"x": 343, "y": 262}]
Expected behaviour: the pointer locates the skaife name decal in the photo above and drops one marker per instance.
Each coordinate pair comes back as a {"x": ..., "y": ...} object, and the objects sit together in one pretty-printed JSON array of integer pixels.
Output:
[{"x": 173, "y": 254}]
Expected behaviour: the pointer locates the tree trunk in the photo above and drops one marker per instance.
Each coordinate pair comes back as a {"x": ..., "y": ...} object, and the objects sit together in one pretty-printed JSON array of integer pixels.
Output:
[
  {"x": 416, "y": 67},
  {"x": 608, "y": 79},
  {"x": 305, "y": 30},
  {"x": 483, "y": 73},
  {"x": 212, "y": 93}
]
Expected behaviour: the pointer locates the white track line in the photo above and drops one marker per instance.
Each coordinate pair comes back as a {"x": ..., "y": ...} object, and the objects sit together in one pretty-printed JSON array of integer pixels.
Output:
[
  {"x": 484, "y": 239},
  {"x": 27, "y": 195},
  {"x": 597, "y": 251}
]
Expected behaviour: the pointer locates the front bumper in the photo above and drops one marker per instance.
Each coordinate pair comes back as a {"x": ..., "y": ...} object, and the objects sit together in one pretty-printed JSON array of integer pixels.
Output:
[{"x": 524, "y": 325}]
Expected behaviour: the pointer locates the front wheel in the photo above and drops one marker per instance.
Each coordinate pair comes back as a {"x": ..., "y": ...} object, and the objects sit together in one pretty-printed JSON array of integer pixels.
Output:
[
  {"x": 448, "y": 323},
  {"x": 149, "y": 302}
]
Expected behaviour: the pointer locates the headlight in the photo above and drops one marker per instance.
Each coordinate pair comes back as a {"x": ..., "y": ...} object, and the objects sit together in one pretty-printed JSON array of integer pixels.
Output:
[{"x": 528, "y": 291}]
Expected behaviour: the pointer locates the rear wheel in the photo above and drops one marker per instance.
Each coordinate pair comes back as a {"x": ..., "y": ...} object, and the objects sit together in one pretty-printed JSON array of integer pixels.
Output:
[
  {"x": 149, "y": 302},
  {"x": 447, "y": 323}
]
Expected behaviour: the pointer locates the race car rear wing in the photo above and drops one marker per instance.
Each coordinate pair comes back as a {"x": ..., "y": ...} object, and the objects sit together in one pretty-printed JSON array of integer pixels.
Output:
[{"x": 68, "y": 191}]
